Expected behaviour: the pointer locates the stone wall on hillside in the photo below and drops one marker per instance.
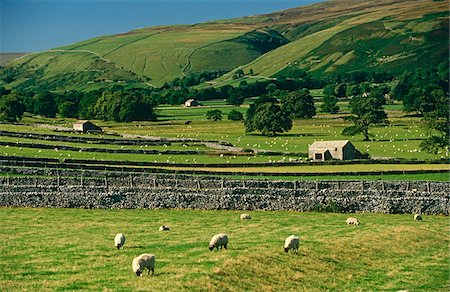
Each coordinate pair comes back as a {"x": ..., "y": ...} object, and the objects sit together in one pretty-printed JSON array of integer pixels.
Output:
[{"x": 215, "y": 193}]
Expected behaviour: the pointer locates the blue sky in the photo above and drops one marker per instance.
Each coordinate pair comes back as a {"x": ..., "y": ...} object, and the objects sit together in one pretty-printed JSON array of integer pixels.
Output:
[{"x": 35, "y": 25}]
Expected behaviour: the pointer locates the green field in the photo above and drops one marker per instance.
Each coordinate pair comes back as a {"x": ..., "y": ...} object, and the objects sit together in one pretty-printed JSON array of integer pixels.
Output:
[
  {"x": 399, "y": 140},
  {"x": 68, "y": 249}
]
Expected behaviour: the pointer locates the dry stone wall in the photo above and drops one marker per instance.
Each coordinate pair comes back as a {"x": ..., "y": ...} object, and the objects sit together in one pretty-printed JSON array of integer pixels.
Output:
[{"x": 214, "y": 193}]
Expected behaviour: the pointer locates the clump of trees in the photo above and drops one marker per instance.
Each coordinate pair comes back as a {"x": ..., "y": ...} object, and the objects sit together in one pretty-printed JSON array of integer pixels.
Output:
[
  {"x": 11, "y": 106},
  {"x": 235, "y": 115},
  {"x": 119, "y": 105},
  {"x": 425, "y": 92},
  {"x": 125, "y": 107},
  {"x": 215, "y": 115},
  {"x": 267, "y": 116},
  {"x": 299, "y": 104}
]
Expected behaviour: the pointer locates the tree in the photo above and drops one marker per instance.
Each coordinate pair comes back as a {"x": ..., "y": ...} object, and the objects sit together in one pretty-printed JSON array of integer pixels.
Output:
[
  {"x": 267, "y": 116},
  {"x": 271, "y": 87},
  {"x": 437, "y": 122},
  {"x": 68, "y": 109},
  {"x": 329, "y": 104},
  {"x": 11, "y": 107},
  {"x": 234, "y": 98},
  {"x": 45, "y": 105},
  {"x": 250, "y": 121},
  {"x": 125, "y": 107},
  {"x": 215, "y": 115},
  {"x": 366, "y": 111},
  {"x": 299, "y": 104},
  {"x": 235, "y": 115},
  {"x": 238, "y": 74},
  {"x": 270, "y": 119}
]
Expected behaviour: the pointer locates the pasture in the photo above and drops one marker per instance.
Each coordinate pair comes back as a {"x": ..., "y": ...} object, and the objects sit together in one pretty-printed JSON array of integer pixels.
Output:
[
  {"x": 399, "y": 140},
  {"x": 68, "y": 249}
]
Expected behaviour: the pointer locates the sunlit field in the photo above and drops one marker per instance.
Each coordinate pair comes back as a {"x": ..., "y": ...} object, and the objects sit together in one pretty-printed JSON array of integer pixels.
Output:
[{"x": 67, "y": 249}]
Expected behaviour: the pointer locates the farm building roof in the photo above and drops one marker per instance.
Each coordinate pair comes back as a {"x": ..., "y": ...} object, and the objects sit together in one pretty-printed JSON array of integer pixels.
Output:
[{"x": 329, "y": 144}]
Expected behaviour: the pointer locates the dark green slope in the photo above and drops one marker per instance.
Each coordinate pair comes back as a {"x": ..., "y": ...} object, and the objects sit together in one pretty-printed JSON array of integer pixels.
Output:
[{"x": 376, "y": 47}]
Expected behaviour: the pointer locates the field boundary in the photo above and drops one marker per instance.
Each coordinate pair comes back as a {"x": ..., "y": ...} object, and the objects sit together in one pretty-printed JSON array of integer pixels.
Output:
[{"x": 154, "y": 191}]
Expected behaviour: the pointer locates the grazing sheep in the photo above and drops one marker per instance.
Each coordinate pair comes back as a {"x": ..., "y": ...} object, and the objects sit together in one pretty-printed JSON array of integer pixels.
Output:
[
  {"x": 119, "y": 240},
  {"x": 164, "y": 228},
  {"x": 418, "y": 217},
  {"x": 218, "y": 240},
  {"x": 245, "y": 216},
  {"x": 292, "y": 242},
  {"x": 143, "y": 261},
  {"x": 353, "y": 221}
]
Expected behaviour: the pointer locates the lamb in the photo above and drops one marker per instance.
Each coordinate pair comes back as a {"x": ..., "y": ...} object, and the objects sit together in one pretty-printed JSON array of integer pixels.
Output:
[
  {"x": 418, "y": 217},
  {"x": 218, "y": 240},
  {"x": 145, "y": 260},
  {"x": 353, "y": 221},
  {"x": 292, "y": 242},
  {"x": 164, "y": 228},
  {"x": 119, "y": 240},
  {"x": 245, "y": 216}
]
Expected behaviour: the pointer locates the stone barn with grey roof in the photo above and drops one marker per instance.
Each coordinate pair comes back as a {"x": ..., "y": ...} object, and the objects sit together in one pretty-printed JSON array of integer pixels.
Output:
[
  {"x": 327, "y": 150},
  {"x": 86, "y": 127}
]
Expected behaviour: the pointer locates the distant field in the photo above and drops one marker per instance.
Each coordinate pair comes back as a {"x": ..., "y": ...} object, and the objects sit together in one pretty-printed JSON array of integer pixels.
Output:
[
  {"x": 7, "y": 57},
  {"x": 400, "y": 140},
  {"x": 67, "y": 249}
]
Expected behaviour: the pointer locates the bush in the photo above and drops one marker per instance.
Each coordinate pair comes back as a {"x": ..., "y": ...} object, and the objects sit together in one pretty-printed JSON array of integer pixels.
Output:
[
  {"x": 215, "y": 115},
  {"x": 235, "y": 115}
]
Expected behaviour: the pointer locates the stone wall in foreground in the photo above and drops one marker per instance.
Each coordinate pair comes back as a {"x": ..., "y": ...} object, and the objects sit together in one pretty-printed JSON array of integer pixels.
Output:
[{"x": 213, "y": 193}]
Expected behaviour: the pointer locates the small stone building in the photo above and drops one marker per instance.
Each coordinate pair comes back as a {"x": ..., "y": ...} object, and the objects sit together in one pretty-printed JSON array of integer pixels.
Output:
[
  {"x": 190, "y": 102},
  {"x": 86, "y": 126},
  {"x": 326, "y": 150}
]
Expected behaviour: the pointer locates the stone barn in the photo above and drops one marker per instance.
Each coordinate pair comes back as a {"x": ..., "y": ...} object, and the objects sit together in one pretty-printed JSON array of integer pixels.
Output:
[
  {"x": 326, "y": 150},
  {"x": 190, "y": 102},
  {"x": 86, "y": 126}
]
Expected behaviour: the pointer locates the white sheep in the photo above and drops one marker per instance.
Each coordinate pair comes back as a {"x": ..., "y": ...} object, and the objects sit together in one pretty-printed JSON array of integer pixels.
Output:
[
  {"x": 352, "y": 221},
  {"x": 164, "y": 228},
  {"x": 245, "y": 216},
  {"x": 418, "y": 217},
  {"x": 218, "y": 240},
  {"x": 292, "y": 242},
  {"x": 119, "y": 240},
  {"x": 145, "y": 260}
]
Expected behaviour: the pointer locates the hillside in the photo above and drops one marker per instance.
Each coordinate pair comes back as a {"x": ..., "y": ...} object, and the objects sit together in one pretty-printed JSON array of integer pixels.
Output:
[{"x": 333, "y": 36}]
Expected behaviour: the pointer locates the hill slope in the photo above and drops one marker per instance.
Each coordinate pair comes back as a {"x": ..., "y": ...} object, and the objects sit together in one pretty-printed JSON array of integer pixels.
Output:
[{"x": 334, "y": 36}]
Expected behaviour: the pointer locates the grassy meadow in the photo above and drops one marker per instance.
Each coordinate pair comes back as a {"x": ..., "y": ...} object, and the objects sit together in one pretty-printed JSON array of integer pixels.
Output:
[
  {"x": 399, "y": 140},
  {"x": 69, "y": 249}
]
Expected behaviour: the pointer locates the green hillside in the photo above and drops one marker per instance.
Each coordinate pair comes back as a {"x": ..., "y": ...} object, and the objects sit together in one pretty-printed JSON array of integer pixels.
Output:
[{"x": 332, "y": 36}]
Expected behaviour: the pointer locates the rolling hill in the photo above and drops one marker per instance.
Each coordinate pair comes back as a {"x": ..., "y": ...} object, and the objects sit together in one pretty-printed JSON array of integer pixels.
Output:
[{"x": 328, "y": 37}]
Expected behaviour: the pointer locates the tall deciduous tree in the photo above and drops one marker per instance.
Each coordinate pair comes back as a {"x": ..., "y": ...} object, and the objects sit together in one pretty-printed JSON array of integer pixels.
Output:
[
  {"x": 299, "y": 104},
  {"x": 11, "y": 107},
  {"x": 438, "y": 123},
  {"x": 366, "y": 111},
  {"x": 44, "y": 104},
  {"x": 268, "y": 117},
  {"x": 215, "y": 115},
  {"x": 329, "y": 104}
]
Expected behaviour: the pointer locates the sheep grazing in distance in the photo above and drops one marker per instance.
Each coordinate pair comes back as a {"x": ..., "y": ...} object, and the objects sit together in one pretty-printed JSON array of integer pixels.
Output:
[
  {"x": 119, "y": 240},
  {"x": 164, "y": 228},
  {"x": 417, "y": 217},
  {"x": 245, "y": 216},
  {"x": 292, "y": 243},
  {"x": 218, "y": 240},
  {"x": 352, "y": 221},
  {"x": 144, "y": 261}
]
